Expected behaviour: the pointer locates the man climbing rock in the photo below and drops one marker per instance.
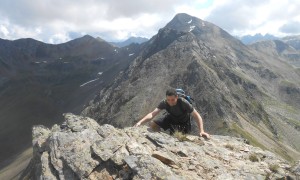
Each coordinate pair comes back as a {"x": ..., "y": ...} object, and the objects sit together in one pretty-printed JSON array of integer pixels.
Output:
[{"x": 178, "y": 115}]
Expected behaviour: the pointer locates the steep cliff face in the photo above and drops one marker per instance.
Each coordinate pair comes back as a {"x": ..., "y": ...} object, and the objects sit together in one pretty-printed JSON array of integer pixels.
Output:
[
  {"x": 82, "y": 149},
  {"x": 237, "y": 89}
]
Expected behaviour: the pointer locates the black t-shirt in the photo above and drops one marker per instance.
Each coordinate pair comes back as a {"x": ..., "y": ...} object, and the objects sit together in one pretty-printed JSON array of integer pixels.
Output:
[{"x": 180, "y": 111}]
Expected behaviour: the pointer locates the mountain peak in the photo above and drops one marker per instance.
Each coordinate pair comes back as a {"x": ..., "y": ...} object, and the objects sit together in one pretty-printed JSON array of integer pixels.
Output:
[
  {"x": 182, "y": 22},
  {"x": 187, "y": 23},
  {"x": 87, "y": 37},
  {"x": 82, "y": 149},
  {"x": 183, "y": 16}
]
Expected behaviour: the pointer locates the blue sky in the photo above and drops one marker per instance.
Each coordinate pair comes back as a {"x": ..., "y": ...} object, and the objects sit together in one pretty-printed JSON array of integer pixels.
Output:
[{"x": 55, "y": 21}]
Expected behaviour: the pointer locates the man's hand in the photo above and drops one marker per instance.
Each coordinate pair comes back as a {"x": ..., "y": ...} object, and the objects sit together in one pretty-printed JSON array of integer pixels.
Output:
[
  {"x": 205, "y": 135},
  {"x": 137, "y": 124},
  {"x": 148, "y": 117}
]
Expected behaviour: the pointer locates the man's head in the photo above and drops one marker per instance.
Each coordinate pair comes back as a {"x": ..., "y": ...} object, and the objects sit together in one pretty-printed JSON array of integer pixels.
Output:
[{"x": 171, "y": 96}]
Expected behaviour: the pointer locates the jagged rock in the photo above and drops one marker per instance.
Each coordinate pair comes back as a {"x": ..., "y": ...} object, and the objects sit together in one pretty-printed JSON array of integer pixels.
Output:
[
  {"x": 119, "y": 156},
  {"x": 136, "y": 148},
  {"x": 82, "y": 149},
  {"x": 46, "y": 169},
  {"x": 39, "y": 137},
  {"x": 161, "y": 140},
  {"x": 147, "y": 167},
  {"x": 102, "y": 174},
  {"x": 296, "y": 169},
  {"x": 107, "y": 147},
  {"x": 195, "y": 139},
  {"x": 77, "y": 123},
  {"x": 75, "y": 150},
  {"x": 106, "y": 130},
  {"x": 164, "y": 157},
  {"x": 181, "y": 152}
]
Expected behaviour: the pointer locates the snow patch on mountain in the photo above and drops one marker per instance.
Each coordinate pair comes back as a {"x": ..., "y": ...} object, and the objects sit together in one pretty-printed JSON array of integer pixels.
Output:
[
  {"x": 88, "y": 82},
  {"x": 192, "y": 28}
]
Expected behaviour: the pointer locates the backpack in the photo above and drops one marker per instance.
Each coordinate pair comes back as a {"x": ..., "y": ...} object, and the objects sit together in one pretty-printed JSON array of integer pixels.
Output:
[{"x": 182, "y": 94}]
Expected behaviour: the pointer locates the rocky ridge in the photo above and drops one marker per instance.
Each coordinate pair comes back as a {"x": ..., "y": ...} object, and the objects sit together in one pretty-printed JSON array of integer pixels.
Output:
[
  {"x": 238, "y": 90},
  {"x": 80, "y": 148}
]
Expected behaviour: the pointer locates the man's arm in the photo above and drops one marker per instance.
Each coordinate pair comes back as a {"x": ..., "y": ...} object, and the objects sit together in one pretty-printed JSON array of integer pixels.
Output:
[
  {"x": 148, "y": 117},
  {"x": 199, "y": 121}
]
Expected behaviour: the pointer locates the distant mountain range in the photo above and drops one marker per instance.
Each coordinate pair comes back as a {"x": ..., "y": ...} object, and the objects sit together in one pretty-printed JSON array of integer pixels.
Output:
[
  {"x": 280, "y": 49},
  {"x": 293, "y": 41},
  {"x": 249, "y": 39},
  {"x": 137, "y": 40},
  {"x": 287, "y": 47}
]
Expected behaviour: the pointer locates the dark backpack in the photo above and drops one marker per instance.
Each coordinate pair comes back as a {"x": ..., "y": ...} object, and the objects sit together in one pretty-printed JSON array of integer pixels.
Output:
[{"x": 182, "y": 94}]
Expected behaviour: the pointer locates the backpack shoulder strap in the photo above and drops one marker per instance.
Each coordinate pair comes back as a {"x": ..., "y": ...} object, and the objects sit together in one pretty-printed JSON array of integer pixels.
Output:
[{"x": 181, "y": 104}]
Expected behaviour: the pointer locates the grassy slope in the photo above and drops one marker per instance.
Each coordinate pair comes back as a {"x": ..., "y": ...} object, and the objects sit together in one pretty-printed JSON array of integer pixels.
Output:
[{"x": 259, "y": 135}]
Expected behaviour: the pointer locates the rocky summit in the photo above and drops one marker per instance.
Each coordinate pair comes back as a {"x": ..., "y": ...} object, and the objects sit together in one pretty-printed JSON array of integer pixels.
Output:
[{"x": 80, "y": 148}]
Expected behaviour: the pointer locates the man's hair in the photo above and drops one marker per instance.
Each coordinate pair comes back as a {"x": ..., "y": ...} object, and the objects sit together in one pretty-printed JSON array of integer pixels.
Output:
[{"x": 171, "y": 92}]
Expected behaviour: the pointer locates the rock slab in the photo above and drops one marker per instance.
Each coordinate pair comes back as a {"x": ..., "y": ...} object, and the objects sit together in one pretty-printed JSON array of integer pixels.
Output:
[{"x": 82, "y": 149}]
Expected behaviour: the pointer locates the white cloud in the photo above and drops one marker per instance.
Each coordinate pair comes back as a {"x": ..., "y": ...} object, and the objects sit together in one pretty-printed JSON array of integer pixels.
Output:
[
  {"x": 59, "y": 21},
  {"x": 290, "y": 27},
  {"x": 59, "y": 38},
  {"x": 198, "y": 8},
  {"x": 249, "y": 17},
  {"x": 4, "y": 31},
  {"x": 118, "y": 19},
  {"x": 14, "y": 31}
]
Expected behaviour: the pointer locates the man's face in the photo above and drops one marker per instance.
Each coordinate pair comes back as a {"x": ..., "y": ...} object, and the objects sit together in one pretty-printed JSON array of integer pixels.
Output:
[{"x": 172, "y": 100}]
